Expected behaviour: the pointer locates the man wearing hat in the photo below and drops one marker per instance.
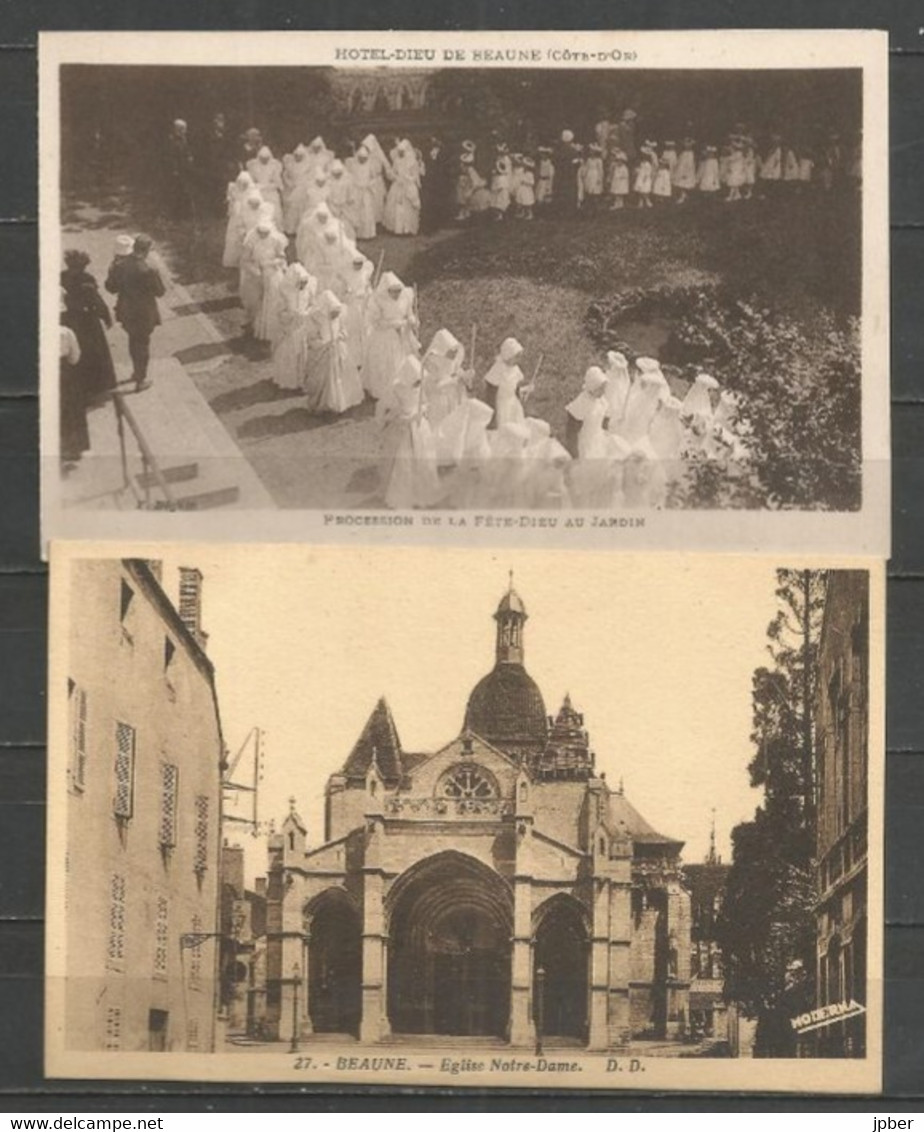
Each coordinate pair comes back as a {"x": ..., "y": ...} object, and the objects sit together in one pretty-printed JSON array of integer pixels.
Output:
[
  {"x": 624, "y": 136},
  {"x": 137, "y": 285}
]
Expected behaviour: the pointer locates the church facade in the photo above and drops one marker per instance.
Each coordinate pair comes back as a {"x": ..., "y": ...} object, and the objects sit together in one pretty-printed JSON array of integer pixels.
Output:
[{"x": 491, "y": 888}]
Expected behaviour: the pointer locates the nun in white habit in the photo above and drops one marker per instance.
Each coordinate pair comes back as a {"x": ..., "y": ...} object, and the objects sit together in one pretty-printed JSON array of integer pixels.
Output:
[
  {"x": 391, "y": 334},
  {"x": 505, "y": 383},
  {"x": 319, "y": 156},
  {"x": 592, "y": 474},
  {"x": 363, "y": 202},
  {"x": 470, "y": 456},
  {"x": 402, "y": 205},
  {"x": 290, "y": 348},
  {"x": 332, "y": 384},
  {"x": 590, "y": 402},
  {"x": 357, "y": 293},
  {"x": 294, "y": 182},
  {"x": 381, "y": 169},
  {"x": 267, "y": 176},
  {"x": 446, "y": 381},
  {"x": 309, "y": 240},
  {"x": 238, "y": 190},
  {"x": 641, "y": 406},
  {"x": 263, "y": 246},
  {"x": 411, "y": 475},
  {"x": 618, "y": 384},
  {"x": 699, "y": 413}
]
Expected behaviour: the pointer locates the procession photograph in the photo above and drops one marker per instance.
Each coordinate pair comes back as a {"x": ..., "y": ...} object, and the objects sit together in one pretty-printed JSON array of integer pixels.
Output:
[
  {"x": 414, "y": 288},
  {"x": 616, "y": 835}
]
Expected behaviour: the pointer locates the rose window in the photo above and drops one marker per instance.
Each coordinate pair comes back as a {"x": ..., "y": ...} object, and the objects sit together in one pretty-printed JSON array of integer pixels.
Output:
[{"x": 467, "y": 783}]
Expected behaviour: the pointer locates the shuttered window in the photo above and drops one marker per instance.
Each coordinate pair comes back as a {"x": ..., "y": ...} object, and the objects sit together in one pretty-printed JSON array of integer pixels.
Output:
[
  {"x": 201, "y": 856},
  {"x": 169, "y": 790},
  {"x": 115, "y": 953},
  {"x": 124, "y": 771},
  {"x": 160, "y": 937},
  {"x": 77, "y": 706}
]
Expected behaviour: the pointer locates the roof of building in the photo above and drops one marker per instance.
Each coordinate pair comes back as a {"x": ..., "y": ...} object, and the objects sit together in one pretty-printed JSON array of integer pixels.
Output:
[
  {"x": 506, "y": 707},
  {"x": 511, "y": 602},
  {"x": 379, "y": 738},
  {"x": 625, "y": 820}
]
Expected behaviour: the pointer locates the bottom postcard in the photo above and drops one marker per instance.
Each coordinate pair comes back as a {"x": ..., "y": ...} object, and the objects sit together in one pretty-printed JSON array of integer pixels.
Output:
[{"x": 459, "y": 817}]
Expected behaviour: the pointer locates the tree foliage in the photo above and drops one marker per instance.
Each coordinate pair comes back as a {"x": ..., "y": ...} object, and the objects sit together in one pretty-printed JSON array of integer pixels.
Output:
[{"x": 767, "y": 926}]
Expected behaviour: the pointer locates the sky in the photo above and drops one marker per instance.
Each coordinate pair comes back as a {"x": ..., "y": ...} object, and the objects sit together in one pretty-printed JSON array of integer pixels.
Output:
[{"x": 656, "y": 651}]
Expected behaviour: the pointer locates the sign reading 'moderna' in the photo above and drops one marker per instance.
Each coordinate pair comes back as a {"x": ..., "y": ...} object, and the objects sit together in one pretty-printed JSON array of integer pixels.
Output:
[{"x": 825, "y": 1015}]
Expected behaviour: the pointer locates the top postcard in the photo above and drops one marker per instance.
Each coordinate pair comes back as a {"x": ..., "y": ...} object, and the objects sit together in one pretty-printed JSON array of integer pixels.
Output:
[{"x": 613, "y": 290}]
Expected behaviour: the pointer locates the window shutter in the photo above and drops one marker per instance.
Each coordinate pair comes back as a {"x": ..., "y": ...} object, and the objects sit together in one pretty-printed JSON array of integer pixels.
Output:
[
  {"x": 201, "y": 861},
  {"x": 160, "y": 938},
  {"x": 78, "y": 719},
  {"x": 124, "y": 770},
  {"x": 170, "y": 777},
  {"x": 116, "y": 949}
]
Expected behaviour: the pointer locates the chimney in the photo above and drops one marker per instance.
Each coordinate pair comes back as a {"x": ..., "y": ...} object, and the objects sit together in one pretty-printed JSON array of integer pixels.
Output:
[
  {"x": 191, "y": 603},
  {"x": 232, "y": 867}
]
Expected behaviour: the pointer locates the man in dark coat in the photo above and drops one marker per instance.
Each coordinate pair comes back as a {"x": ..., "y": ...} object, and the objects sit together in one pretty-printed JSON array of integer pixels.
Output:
[
  {"x": 437, "y": 189},
  {"x": 217, "y": 167},
  {"x": 567, "y": 159},
  {"x": 137, "y": 286},
  {"x": 179, "y": 167}
]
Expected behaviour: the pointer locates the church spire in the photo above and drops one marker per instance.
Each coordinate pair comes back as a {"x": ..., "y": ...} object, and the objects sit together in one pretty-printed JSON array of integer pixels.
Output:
[
  {"x": 510, "y": 617},
  {"x": 712, "y": 857}
]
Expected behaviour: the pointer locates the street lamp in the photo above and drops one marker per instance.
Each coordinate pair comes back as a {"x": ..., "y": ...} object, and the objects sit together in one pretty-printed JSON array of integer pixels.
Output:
[{"x": 296, "y": 979}]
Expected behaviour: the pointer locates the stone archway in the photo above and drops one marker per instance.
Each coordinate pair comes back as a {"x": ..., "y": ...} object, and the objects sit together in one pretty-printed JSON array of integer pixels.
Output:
[
  {"x": 450, "y": 930},
  {"x": 562, "y": 951},
  {"x": 334, "y": 963}
]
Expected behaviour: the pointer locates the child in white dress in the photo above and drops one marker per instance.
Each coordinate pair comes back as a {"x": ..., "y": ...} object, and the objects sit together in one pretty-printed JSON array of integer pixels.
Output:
[
  {"x": 525, "y": 192},
  {"x": 619, "y": 180},
  {"x": 683, "y": 177},
  {"x": 644, "y": 176},
  {"x": 662, "y": 188},
  {"x": 707, "y": 177}
]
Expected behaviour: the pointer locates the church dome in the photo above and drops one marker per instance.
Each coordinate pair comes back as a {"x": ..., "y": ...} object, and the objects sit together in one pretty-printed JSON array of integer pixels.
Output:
[{"x": 506, "y": 708}]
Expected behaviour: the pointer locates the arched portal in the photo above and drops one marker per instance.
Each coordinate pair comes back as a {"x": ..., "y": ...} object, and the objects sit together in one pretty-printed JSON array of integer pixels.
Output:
[
  {"x": 334, "y": 963},
  {"x": 562, "y": 952},
  {"x": 449, "y": 949}
]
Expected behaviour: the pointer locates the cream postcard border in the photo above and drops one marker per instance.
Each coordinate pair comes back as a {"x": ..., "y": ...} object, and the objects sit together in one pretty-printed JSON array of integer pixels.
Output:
[
  {"x": 866, "y": 531},
  {"x": 775, "y": 1075}
]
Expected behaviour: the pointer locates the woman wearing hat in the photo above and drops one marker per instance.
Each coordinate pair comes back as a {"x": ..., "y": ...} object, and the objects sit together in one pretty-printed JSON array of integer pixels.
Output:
[{"x": 87, "y": 315}]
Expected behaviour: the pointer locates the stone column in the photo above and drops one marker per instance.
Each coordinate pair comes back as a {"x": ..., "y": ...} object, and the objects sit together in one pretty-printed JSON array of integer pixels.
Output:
[
  {"x": 522, "y": 1027},
  {"x": 678, "y": 980},
  {"x": 307, "y": 1025},
  {"x": 618, "y": 1014},
  {"x": 292, "y": 1013},
  {"x": 372, "y": 1024},
  {"x": 598, "y": 1030}
]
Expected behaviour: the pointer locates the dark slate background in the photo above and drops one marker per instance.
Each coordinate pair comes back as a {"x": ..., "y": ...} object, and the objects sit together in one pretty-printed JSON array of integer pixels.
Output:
[{"x": 23, "y": 580}]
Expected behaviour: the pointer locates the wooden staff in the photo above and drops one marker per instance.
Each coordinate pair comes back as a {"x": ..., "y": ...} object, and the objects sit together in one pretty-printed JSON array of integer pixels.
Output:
[
  {"x": 534, "y": 377},
  {"x": 471, "y": 355},
  {"x": 378, "y": 270}
]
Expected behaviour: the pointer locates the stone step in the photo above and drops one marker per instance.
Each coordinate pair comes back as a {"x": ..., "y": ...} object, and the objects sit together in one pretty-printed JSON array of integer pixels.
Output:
[{"x": 184, "y": 435}]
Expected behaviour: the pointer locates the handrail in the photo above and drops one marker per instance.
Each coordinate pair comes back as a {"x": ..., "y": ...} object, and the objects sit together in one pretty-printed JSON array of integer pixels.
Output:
[{"x": 147, "y": 456}]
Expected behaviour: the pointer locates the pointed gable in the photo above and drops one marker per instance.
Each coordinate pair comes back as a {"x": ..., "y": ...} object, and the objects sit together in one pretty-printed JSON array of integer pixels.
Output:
[{"x": 379, "y": 737}]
